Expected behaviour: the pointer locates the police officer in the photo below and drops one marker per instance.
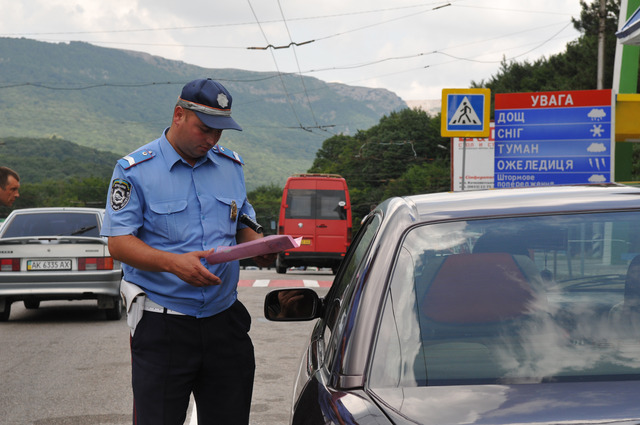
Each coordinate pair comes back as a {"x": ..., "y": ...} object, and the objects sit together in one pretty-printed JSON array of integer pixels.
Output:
[{"x": 170, "y": 203}]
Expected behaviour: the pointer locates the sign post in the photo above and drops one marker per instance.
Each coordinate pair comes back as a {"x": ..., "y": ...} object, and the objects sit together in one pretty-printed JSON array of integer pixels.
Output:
[
  {"x": 477, "y": 173},
  {"x": 548, "y": 138}
]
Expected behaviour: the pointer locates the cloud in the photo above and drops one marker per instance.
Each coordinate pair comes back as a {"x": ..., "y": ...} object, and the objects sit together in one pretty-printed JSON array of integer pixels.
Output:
[
  {"x": 597, "y": 114},
  {"x": 597, "y": 147}
]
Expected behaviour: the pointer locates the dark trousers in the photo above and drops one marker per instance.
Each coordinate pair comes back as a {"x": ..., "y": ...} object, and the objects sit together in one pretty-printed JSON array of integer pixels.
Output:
[{"x": 173, "y": 356}]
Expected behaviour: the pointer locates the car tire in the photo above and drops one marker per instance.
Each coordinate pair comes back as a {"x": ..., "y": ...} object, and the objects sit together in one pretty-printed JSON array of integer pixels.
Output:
[
  {"x": 31, "y": 304},
  {"x": 4, "y": 316},
  {"x": 115, "y": 313},
  {"x": 280, "y": 268}
]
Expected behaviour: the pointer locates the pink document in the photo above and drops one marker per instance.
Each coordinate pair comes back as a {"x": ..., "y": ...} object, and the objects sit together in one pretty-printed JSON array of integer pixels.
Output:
[{"x": 266, "y": 245}]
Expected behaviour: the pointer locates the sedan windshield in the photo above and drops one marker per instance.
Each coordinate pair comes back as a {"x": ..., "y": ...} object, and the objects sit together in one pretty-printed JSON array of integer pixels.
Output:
[
  {"x": 513, "y": 300},
  {"x": 53, "y": 224}
]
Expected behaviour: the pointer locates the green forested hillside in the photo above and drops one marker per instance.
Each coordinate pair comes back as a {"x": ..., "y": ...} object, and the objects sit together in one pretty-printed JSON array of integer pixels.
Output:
[
  {"x": 116, "y": 100},
  {"x": 38, "y": 160},
  {"x": 56, "y": 172}
]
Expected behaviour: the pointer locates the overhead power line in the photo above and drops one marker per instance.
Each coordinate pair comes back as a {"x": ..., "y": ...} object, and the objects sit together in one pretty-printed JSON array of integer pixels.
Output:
[
  {"x": 90, "y": 86},
  {"x": 304, "y": 86},
  {"x": 286, "y": 46},
  {"x": 284, "y": 87},
  {"x": 226, "y": 24}
]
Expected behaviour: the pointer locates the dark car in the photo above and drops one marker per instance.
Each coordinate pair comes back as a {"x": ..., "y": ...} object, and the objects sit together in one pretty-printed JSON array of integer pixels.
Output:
[{"x": 514, "y": 306}]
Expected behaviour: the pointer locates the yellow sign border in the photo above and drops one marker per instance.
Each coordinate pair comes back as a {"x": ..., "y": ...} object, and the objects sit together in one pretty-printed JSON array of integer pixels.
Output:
[{"x": 444, "y": 117}]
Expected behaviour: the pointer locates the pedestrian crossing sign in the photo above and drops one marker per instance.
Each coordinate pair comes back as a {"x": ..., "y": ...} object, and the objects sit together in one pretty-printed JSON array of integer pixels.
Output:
[{"x": 465, "y": 113}]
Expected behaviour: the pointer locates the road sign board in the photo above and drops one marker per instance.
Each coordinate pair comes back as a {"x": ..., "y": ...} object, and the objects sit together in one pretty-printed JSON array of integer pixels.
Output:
[
  {"x": 472, "y": 162},
  {"x": 465, "y": 112},
  {"x": 549, "y": 138}
]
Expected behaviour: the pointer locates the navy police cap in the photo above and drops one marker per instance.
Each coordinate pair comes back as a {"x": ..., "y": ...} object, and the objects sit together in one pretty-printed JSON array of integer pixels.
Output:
[{"x": 210, "y": 101}]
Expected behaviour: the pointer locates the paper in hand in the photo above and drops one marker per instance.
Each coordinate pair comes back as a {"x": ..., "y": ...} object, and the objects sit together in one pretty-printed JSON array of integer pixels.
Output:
[{"x": 262, "y": 246}]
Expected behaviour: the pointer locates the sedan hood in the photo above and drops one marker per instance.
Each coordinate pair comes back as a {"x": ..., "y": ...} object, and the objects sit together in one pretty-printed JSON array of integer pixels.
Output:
[{"x": 611, "y": 403}]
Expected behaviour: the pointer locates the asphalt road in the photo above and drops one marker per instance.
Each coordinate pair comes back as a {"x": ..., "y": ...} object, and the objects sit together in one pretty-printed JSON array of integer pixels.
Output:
[{"x": 64, "y": 364}]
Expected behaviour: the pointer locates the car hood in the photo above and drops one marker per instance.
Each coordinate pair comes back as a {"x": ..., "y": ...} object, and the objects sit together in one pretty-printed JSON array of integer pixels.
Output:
[{"x": 611, "y": 403}]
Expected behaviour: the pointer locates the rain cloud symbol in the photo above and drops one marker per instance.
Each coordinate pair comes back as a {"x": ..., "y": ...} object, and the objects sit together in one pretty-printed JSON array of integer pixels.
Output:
[
  {"x": 597, "y": 147},
  {"x": 597, "y": 114}
]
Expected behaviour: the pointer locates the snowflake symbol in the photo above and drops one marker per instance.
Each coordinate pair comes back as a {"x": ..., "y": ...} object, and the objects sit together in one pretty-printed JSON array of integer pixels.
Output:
[{"x": 597, "y": 130}]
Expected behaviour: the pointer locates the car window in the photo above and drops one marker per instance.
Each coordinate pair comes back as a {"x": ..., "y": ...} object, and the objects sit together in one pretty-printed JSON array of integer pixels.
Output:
[
  {"x": 53, "y": 224},
  {"x": 513, "y": 300},
  {"x": 339, "y": 296},
  {"x": 315, "y": 204}
]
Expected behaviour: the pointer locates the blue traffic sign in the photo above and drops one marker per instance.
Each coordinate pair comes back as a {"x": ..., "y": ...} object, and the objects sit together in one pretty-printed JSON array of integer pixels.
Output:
[
  {"x": 552, "y": 138},
  {"x": 568, "y": 131},
  {"x": 465, "y": 113}
]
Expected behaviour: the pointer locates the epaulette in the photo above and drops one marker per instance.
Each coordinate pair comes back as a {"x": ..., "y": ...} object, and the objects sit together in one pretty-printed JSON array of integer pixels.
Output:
[
  {"x": 135, "y": 158},
  {"x": 221, "y": 150}
]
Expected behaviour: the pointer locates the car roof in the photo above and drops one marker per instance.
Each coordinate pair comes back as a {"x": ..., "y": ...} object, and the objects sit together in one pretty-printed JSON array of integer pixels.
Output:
[
  {"x": 536, "y": 200},
  {"x": 58, "y": 209}
]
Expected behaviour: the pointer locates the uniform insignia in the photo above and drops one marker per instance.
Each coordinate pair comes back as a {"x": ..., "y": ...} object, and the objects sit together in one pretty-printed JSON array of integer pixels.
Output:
[
  {"x": 222, "y": 100},
  {"x": 221, "y": 150},
  {"x": 120, "y": 194},
  {"x": 234, "y": 211},
  {"x": 135, "y": 158}
]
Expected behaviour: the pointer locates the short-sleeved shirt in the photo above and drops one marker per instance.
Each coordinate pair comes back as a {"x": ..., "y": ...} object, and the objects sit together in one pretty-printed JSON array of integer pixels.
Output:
[{"x": 170, "y": 205}]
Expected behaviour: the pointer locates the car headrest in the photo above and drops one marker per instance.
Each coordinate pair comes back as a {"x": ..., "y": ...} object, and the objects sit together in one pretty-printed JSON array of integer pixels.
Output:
[
  {"x": 632, "y": 283},
  {"x": 478, "y": 288}
]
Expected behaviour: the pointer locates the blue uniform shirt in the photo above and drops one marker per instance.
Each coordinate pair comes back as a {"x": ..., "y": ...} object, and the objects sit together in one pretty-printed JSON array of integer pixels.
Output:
[{"x": 158, "y": 197}]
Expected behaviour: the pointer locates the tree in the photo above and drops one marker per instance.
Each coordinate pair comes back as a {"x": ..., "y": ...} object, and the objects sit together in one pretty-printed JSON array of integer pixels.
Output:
[
  {"x": 574, "y": 69},
  {"x": 433, "y": 175},
  {"x": 266, "y": 202},
  {"x": 403, "y": 154},
  {"x": 71, "y": 192}
]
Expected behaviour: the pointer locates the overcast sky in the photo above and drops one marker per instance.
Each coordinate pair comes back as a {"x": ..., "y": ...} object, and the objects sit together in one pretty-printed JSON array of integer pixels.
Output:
[{"x": 412, "y": 48}]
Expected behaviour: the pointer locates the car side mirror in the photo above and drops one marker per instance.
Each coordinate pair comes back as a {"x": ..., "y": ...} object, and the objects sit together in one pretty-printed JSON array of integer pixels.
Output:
[{"x": 292, "y": 305}]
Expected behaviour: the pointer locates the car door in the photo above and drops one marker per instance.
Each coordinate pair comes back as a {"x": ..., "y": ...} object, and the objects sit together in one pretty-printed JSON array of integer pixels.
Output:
[{"x": 318, "y": 374}]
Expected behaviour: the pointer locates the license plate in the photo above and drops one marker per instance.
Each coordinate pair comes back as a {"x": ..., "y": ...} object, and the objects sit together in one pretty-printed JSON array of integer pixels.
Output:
[
  {"x": 48, "y": 265},
  {"x": 305, "y": 242}
]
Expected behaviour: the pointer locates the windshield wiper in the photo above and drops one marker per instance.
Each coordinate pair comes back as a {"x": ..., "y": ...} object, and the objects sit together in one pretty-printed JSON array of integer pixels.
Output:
[{"x": 80, "y": 231}]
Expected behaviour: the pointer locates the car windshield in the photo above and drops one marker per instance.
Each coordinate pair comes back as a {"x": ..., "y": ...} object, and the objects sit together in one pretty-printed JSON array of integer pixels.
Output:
[
  {"x": 53, "y": 224},
  {"x": 513, "y": 300}
]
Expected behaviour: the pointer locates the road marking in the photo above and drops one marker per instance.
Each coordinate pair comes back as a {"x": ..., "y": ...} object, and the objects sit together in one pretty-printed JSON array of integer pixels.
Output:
[
  {"x": 260, "y": 283},
  {"x": 285, "y": 283}
]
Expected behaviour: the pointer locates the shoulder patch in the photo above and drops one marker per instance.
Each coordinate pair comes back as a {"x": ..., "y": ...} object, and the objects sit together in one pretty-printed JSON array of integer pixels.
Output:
[
  {"x": 120, "y": 194},
  {"x": 135, "y": 158},
  {"x": 221, "y": 150}
]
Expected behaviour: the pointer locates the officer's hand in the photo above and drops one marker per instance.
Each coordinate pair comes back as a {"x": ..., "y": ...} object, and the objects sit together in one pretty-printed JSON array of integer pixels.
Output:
[
  {"x": 264, "y": 260},
  {"x": 189, "y": 268}
]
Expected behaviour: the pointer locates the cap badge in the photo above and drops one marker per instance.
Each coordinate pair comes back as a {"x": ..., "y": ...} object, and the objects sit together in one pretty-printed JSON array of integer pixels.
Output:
[{"x": 222, "y": 100}]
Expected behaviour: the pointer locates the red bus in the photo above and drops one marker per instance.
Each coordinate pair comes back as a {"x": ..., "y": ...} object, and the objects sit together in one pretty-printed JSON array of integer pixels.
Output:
[{"x": 317, "y": 208}]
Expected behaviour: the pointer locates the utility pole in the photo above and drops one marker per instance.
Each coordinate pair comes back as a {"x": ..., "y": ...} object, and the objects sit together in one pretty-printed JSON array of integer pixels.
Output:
[{"x": 601, "y": 34}]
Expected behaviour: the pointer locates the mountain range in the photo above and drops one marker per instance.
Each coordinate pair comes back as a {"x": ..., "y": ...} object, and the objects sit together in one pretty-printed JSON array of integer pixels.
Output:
[{"x": 117, "y": 100}]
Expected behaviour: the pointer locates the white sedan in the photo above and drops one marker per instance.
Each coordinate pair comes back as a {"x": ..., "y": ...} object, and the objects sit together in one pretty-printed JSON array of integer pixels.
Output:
[{"x": 57, "y": 254}]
